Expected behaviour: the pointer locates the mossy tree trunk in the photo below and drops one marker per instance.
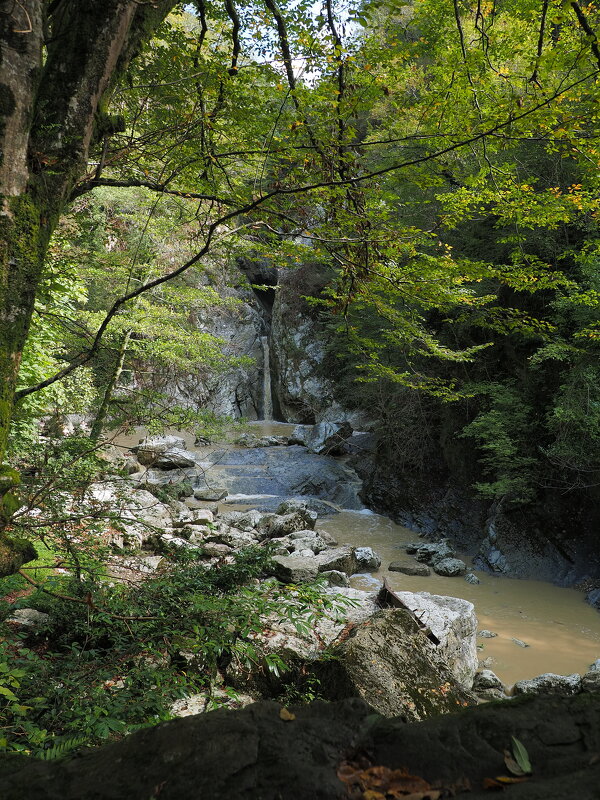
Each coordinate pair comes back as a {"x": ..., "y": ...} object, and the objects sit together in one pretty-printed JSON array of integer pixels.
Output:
[{"x": 58, "y": 61}]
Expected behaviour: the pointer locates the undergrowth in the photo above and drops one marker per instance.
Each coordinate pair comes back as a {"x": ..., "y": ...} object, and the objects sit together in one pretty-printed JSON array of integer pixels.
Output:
[{"x": 117, "y": 661}]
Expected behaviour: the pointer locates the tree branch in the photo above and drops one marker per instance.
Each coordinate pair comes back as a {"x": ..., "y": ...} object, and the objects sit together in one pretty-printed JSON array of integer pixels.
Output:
[
  {"x": 86, "y": 356},
  {"x": 587, "y": 29}
]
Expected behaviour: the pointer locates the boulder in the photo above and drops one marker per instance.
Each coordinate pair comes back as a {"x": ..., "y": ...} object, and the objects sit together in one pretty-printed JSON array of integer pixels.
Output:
[
  {"x": 454, "y": 623},
  {"x": 300, "y": 540},
  {"x": 486, "y": 679},
  {"x": 337, "y": 578},
  {"x": 174, "y": 458},
  {"x": 243, "y": 520},
  {"x": 281, "y": 525},
  {"x": 295, "y": 569},
  {"x": 28, "y": 618},
  {"x": 391, "y": 664},
  {"x": 294, "y": 504},
  {"x": 549, "y": 683},
  {"x": 432, "y": 552},
  {"x": 232, "y": 537},
  {"x": 470, "y": 577},
  {"x": 409, "y": 568},
  {"x": 487, "y": 634},
  {"x": 301, "y": 645},
  {"x": 590, "y": 682},
  {"x": 148, "y": 450},
  {"x": 338, "y": 558},
  {"x": 366, "y": 559},
  {"x": 449, "y": 567},
  {"x": 194, "y": 516}
]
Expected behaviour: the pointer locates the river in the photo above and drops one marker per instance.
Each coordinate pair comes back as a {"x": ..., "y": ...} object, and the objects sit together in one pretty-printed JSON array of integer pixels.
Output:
[{"x": 561, "y": 631}]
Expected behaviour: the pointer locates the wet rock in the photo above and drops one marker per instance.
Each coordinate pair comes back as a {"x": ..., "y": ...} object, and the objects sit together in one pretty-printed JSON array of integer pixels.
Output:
[
  {"x": 339, "y": 558},
  {"x": 454, "y": 623},
  {"x": 470, "y": 577},
  {"x": 392, "y": 664},
  {"x": 328, "y": 538},
  {"x": 337, "y": 578},
  {"x": 149, "y": 449},
  {"x": 210, "y": 495},
  {"x": 595, "y": 667},
  {"x": 286, "y": 472},
  {"x": 164, "y": 477},
  {"x": 325, "y": 438},
  {"x": 410, "y": 568},
  {"x": 366, "y": 559},
  {"x": 486, "y": 679},
  {"x": 487, "y": 634},
  {"x": 549, "y": 683},
  {"x": 295, "y": 569},
  {"x": 593, "y": 598},
  {"x": 590, "y": 682},
  {"x": 29, "y": 618},
  {"x": 432, "y": 552},
  {"x": 519, "y": 642},
  {"x": 450, "y": 567}
]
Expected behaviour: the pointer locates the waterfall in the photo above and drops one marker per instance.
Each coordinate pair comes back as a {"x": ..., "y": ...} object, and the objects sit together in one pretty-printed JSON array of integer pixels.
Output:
[{"x": 267, "y": 401}]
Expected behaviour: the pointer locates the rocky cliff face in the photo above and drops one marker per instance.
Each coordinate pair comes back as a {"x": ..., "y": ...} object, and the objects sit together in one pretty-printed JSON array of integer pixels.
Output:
[{"x": 297, "y": 342}]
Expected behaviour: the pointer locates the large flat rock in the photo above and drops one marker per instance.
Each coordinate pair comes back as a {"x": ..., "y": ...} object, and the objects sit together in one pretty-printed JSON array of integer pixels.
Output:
[{"x": 254, "y": 754}]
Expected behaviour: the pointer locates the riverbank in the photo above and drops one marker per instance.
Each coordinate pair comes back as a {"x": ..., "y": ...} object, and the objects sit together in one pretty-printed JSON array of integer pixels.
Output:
[{"x": 561, "y": 632}]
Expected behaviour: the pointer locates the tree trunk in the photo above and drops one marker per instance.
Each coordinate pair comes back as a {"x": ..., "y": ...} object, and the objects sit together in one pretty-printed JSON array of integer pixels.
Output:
[{"x": 51, "y": 97}]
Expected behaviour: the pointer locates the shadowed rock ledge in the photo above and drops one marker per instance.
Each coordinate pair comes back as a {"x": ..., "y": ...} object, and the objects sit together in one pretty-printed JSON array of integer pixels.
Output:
[{"x": 254, "y": 754}]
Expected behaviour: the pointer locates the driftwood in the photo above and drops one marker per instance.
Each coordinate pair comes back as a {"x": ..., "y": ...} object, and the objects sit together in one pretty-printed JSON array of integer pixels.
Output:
[{"x": 387, "y": 598}]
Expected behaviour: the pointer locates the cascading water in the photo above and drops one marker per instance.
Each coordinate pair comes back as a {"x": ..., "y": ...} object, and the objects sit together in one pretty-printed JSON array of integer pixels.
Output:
[{"x": 267, "y": 399}]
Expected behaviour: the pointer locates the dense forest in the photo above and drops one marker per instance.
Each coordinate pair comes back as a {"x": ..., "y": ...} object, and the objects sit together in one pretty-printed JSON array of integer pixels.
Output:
[{"x": 423, "y": 178}]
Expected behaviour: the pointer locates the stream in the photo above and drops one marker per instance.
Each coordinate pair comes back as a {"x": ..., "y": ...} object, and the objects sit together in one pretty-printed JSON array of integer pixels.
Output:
[{"x": 561, "y": 631}]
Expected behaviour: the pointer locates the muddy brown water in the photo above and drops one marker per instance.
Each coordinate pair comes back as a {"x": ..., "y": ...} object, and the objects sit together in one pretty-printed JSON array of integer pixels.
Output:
[{"x": 561, "y": 630}]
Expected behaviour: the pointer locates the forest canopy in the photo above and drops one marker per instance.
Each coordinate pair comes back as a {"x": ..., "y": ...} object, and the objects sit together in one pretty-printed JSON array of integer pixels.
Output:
[{"x": 438, "y": 158}]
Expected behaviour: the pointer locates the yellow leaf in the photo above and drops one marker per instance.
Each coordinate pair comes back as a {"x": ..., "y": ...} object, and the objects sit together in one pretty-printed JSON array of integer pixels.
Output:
[{"x": 286, "y": 715}]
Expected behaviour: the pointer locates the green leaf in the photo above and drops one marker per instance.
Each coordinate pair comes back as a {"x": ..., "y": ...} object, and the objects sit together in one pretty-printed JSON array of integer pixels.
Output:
[{"x": 521, "y": 755}]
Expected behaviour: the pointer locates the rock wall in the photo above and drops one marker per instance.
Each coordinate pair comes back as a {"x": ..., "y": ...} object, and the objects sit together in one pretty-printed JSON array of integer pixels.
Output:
[
  {"x": 238, "y": 391},
  {"x": 304, "y": 393}
]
